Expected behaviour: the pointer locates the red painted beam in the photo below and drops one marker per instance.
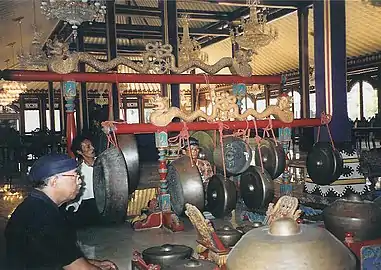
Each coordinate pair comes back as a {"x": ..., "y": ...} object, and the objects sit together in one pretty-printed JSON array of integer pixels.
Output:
[
  {"x": 22, "y": 75},
  {"x": 123, "y": 128}
]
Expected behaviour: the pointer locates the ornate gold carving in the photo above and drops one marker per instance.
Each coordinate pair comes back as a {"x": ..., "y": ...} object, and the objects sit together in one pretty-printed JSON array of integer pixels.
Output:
[
  {"x": 203, "y": 227},
  {"x": 286, "y": 206},
  {"x": 157, "y": 59},
  {"x": 224, "y": 108}
]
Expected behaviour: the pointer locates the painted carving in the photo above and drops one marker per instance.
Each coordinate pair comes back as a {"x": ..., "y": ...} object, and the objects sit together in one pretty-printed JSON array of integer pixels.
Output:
[
  {"x": 157, "y": 59},
  {"x": 224, "y": 108}
]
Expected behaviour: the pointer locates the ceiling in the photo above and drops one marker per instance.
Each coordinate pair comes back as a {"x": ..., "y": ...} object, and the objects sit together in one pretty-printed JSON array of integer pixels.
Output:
[
  {"x": 363, "y": 24},
  {"x": 9, "y": 30}
]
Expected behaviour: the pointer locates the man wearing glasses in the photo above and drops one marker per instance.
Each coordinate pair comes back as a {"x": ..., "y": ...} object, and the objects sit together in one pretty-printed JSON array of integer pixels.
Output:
[{"x": 37, "y": 234}]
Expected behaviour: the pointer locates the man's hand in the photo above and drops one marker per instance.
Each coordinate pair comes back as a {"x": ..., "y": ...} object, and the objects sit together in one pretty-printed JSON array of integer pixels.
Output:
[{"x": 104, "y": 265}]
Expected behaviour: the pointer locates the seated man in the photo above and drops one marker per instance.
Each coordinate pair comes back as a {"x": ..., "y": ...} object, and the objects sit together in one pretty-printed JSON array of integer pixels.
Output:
[
  {"x": 203, "y": 166},
  {"x": 37, "y": 234}
]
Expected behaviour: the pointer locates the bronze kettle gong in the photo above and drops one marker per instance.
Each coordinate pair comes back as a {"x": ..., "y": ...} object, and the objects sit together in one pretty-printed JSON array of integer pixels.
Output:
[
  {"x": 167, "y": 254},
  {"x": 354, "y": 215},
  {"x": 288, "y": 245}
]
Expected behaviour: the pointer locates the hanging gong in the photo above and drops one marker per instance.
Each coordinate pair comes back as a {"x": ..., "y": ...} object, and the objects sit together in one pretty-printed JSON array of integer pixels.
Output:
[
  {"x": 237, "y": 154},
  {"x": 129, "y": 148},
  {"x": 273, "y": 157},
  {"x": 206, "y": 144},
  {"x": 321, "y": 164},
  {"x": 221, "y": 196},
  {"x": 256, "y": 188},
  {"x": 185, "y": 185}
]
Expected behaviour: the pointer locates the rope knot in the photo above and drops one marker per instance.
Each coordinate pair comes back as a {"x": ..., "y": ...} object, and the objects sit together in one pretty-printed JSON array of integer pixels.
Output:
[
  {"x": 108, "y": 127},
  {"x": 325, "y": 118}
]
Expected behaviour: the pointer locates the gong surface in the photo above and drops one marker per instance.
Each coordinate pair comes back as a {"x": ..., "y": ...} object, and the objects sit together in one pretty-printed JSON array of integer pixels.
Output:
[
  {"x": 237, "y": 154},
  {"x": 185, "y": 185},
  {"x": 129, "y": 147},
  {"x": 273, "y": 157},
  {"x": 321, "y": 164},
  {"x": 256, "y": 187},
  {"x": 221, "y": 196},
  {"x": 206, "y": 144}
]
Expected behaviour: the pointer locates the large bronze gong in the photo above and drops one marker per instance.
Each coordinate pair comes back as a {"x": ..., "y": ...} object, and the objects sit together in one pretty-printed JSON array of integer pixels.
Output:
[
  {"x": 273, "y": 157},
  {"x": 257, "y": 188},
  {"x": 221, "y": 196},
  {"x": 206, "y": 144},
  {"x": 287, "y": 245},
  {"x": 129, "y": 148},
  {"x": 185, "y": 185},
  {"x": 237, "y": 155},
  {"x": 324, "y": 164}
]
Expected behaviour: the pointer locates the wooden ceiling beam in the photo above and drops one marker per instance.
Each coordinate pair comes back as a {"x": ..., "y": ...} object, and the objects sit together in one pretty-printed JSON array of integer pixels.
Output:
[
  {"x": 137, "y": 11},
  {"x": 145, "y": 29}
]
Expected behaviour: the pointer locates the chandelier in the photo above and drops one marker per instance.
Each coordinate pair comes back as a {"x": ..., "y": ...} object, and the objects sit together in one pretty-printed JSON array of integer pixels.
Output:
[
  {"x": 10, "y": 91},
  {"x": 255, "y": 32},
  {"x": 189, "y": 49},
  {"x": 75, "y": 12},
  {"x": 36, "y": 58}
]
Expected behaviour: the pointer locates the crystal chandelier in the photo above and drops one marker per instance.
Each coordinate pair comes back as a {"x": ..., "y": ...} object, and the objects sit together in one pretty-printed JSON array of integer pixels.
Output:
[
  {"x": 36, "y": 58},
  {"x": 189, "y": 49},
  {"x": 75, "y": 12},
  {"x": 255, "y": 32}
]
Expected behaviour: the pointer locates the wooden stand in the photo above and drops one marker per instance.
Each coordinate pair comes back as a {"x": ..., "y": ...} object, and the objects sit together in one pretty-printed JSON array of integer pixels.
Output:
[{"x": 164, "y": 215}]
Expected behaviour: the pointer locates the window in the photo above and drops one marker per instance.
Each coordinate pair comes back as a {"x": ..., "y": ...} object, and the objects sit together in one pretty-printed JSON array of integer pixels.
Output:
[
  {"x": 353, "y": 102},
  {"x": 312, "y": 105},
  {"x": 369, "y": 106},
  {"x": 32, "y": 120},
  {"x": 370, "y": 100},
  {"x": 132, "y": 116},
  {"x": 247, "y": 103},
  {"x": 261, "y": 105},
  {"x": 57, "y": 120},
  {"x": 296, "y": 101},
  {"x": 147, "y": 113}
]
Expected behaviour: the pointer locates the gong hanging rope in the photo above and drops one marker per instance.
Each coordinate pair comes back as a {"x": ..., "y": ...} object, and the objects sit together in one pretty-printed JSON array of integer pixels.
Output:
[
  {"x": 182, "y": 139},
  {"x": 258, "y": 139},
  {"x": 325, "y": 120},
  {"x": 268, "y": 129},
  {"x": 109, "y": 128},
  {"x": 221, "y": 129}
]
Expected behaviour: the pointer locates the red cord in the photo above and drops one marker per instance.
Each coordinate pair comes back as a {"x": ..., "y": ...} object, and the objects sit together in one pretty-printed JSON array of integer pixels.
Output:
[
  {"x": 258, "y": 141},
  {"x": 325, "y": 120},
  {"x": 221, "y": 129}
]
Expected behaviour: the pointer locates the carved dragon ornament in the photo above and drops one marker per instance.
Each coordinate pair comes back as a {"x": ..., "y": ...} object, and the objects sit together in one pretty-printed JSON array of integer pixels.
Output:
[
  {"x": 224, "y": 108},
  {"x": 157, "y": 59}
]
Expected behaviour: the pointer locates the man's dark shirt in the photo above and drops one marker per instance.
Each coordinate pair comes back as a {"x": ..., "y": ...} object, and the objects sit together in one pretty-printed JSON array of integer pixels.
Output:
[{"x": 39, "y": 237}]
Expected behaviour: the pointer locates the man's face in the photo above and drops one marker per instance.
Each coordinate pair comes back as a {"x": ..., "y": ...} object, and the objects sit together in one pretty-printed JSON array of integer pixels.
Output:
[
  {"x": 194, "y": 149},
  {"x": 68, "y": 184},
  {"x": 87, "y": 149}
]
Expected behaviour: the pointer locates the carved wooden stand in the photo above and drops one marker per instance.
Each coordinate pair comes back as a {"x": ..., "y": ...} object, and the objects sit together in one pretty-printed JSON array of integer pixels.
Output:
[{"x": 164, "y": 216}]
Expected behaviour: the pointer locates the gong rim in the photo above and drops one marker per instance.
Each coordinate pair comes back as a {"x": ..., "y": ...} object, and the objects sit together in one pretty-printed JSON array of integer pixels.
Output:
[
  {"x": 221, "y": 196},
  {"x": 256, "y": 187},
  {"x": 185, "y": 185},
  {"x": 244, "y": 156},
  {"x": 321, "y": 164}
]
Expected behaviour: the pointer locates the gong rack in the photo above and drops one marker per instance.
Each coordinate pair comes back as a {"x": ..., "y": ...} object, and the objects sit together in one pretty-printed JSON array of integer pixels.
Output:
[{"x": 165, "y": 216}]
